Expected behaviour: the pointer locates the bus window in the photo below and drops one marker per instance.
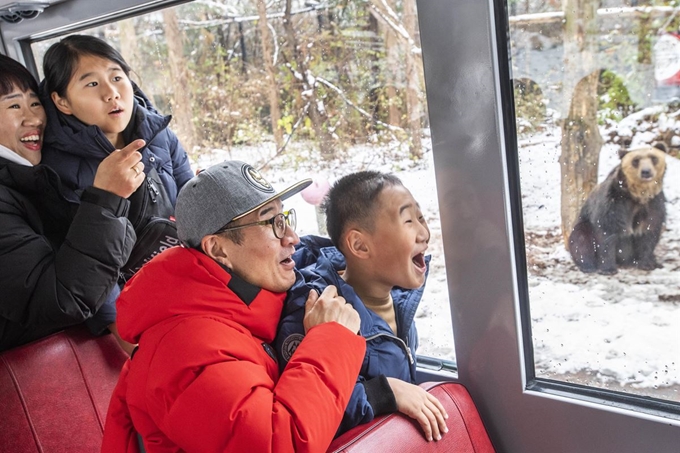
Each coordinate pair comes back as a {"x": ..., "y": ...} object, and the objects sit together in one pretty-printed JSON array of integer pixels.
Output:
[
  {"x": 316, "y": 90},
  {"x": 601, "y": 263}
]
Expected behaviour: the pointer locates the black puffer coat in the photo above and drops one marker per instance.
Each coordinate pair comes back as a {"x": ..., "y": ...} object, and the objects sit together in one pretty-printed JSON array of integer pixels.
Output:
[{"x": 58, "y": 262}]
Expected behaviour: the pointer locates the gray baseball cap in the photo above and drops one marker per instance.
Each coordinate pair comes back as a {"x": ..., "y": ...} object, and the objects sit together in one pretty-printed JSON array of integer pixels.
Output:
[{"x": 220, "y": 194}]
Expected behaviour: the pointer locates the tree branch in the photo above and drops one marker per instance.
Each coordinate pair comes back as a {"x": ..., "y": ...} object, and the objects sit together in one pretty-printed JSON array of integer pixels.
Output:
[
  {"x": 390, "y": 18},
  {"x": 356, "y": 107}
]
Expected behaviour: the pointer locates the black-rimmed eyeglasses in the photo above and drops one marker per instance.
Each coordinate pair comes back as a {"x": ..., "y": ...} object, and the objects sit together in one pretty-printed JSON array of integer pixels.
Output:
[{"x": 279, "y": 223}]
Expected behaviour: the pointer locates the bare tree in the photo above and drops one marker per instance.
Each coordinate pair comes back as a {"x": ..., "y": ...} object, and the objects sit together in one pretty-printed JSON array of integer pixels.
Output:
[
  {"x": 128, "y": 42},
  {"x": 386, "y": 14},
  {"x": 181, "y": 97},
  {"x": 581, "y": 140},
  {"x": 393, "y": 73},
  {"x": 405, "y": 29},
  {"x": 314, "y": 106},
  {"x": 267, "y": 40},
  {"x": 413, "y": 105}
]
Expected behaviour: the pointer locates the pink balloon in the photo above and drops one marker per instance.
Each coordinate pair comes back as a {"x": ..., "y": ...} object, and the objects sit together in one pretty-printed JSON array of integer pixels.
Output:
[{"x": 316, "y": 191}]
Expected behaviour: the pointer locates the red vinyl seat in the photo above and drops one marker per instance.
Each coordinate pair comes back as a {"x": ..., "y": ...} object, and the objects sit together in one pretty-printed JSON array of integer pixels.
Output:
[
  {"x": 398, "y": 433},
  {"x": 54, "y": 392}
]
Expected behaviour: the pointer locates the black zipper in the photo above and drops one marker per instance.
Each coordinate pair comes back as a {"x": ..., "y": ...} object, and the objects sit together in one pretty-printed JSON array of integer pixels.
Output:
[{"x": 153, "y": 190}]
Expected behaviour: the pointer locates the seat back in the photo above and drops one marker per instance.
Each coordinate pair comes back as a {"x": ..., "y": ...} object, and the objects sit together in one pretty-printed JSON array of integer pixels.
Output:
[
  {"x": 396, "y": 432},
  {"x": 54, "y": 392}
]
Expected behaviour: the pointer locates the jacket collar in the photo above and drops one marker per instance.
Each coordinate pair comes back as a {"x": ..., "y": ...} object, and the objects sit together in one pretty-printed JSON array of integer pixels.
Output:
[
  {"x": 183, "y": 282},
  {"x": 11, "y": 156},
  {"x": 28, "y": 179}
]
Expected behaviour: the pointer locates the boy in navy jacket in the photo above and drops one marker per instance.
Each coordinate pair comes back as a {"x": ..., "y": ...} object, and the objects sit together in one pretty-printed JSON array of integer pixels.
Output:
[{"x": 379, "y": 267}]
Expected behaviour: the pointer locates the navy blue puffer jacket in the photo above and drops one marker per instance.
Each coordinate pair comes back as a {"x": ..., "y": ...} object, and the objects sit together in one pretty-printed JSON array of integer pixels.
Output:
[
  {"x": 387, "y": 355},
  {"x": 75, "y": 150}
]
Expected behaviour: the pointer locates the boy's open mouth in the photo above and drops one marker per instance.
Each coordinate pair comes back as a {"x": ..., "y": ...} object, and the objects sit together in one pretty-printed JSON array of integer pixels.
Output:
[{"x": 419, "y": 261}]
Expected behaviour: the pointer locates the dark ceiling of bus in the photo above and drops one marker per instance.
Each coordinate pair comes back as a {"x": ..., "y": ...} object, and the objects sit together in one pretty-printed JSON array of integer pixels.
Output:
[{"x": 16, "y": 11}]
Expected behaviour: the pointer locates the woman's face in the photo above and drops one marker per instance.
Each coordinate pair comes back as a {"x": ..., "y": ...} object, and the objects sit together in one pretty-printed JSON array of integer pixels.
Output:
[
  {"x": 22, "y": 122},
  {"x": 99, "y": 93}
]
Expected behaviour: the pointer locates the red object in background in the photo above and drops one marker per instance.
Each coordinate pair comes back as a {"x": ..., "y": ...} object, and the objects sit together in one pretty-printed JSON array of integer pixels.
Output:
[{"x": 667, "y": 59}]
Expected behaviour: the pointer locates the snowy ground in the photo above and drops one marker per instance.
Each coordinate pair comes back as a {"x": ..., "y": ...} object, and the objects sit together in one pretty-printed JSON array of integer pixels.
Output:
[{"x": 621, "y": 331}]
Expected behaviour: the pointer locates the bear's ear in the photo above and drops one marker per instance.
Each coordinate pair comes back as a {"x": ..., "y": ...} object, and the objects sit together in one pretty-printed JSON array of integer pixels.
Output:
[
  {"x": 661, "y": 146},
  {"x": 622, "y": 152}
]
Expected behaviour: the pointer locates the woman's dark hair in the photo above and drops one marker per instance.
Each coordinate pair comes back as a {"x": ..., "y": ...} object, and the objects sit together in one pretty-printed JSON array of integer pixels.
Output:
[
  {"x": 14, "y": 74},
  {"x": 62, "y": 58}
]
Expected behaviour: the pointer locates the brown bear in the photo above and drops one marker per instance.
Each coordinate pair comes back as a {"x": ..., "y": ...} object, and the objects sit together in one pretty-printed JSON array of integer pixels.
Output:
[{"x": 622, "y": 218}]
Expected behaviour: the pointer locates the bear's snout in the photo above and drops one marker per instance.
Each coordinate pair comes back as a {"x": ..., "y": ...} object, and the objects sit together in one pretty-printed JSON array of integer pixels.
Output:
[{"x": 646, "y": 173}]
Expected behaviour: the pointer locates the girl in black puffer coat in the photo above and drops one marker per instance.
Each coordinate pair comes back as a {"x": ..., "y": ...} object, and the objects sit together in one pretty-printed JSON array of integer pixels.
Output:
[{"x": 92, "y": 109}]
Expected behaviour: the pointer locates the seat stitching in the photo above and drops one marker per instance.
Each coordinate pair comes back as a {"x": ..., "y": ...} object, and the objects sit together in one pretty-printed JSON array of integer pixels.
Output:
[
  {"x": 15, "y": 381},
  {"x": 87, "y": 385}
]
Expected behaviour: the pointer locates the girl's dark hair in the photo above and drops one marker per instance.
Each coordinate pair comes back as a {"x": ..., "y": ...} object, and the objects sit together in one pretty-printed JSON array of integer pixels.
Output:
[
  {"x": 353, "y": 199},
  {"x": 62, "y": 58},
  {"x": 14, "y": 74}
]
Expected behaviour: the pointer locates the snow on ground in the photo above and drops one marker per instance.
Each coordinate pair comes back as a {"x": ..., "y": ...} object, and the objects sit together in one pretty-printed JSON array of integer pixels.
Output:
[{"x": 621, "y": 330}]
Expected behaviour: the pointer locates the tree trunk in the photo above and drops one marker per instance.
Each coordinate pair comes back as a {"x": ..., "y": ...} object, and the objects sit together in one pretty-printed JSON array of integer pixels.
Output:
[
  {"x": 128, "y": 43},
  {"x": 413, "y": 105},
  {"x": 393, "y": 75},
  {"x": 581, "y": 140},
  {"x": 267, "y": 38},
  {"x": 645, "y": 34},
  {"x": 182, "y": 111},
  {"x": 316, "y": 112}
]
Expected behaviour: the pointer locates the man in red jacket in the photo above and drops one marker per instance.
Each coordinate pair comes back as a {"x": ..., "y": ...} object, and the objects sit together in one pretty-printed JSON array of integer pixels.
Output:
[{"x": 204, "y": 377}]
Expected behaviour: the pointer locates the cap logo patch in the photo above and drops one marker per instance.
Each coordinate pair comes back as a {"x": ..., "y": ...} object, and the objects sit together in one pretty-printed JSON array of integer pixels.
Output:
[{"x": 256, "y": 179}]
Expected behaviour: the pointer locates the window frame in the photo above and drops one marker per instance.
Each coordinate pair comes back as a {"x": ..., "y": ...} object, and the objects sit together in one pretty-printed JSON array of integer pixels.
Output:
[
  {"x": 470, "y": 100},
  {"x": 626, "y": 401}
]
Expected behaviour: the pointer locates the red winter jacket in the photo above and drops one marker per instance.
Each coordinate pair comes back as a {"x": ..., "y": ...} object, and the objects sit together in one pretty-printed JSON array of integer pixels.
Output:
[{"x": 204, "y": 379}]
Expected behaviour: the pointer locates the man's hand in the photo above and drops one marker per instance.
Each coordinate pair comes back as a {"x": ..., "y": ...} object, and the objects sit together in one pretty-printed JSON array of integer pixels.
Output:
[
  {"x": 416, "y": 403},
  {"x": 122, "y": 171},
  {"x": 329, "y": 307}
]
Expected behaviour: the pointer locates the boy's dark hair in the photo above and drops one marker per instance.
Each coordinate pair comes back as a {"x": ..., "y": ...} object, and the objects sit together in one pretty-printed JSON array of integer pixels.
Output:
[
  {"x": 14, "y": 74},
  {"x": 352, "y": 199},
  {"x": 61, "y": 59}
]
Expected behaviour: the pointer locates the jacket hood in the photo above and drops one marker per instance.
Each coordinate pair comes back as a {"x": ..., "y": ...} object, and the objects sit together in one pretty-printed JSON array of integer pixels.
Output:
[
  {"x": 68, "y": 134},
  {"x": 183, "y": 282}
]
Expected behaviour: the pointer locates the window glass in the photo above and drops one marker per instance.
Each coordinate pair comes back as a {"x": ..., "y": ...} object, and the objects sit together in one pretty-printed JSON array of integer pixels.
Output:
[
  {"x": 298, "y": 89},
  {"x": 596, "y": 88}
]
